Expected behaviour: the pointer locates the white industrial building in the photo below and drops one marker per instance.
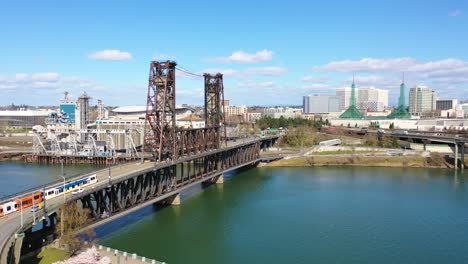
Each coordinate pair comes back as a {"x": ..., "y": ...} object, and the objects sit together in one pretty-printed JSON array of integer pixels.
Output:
[
  {"x": 372, "y": 99},
  {"x": 23, "y": 118},
  {"x": 133, "y": 118},
  {"x": 321, "y": 104},
  {"x": 285, "y": 112}
]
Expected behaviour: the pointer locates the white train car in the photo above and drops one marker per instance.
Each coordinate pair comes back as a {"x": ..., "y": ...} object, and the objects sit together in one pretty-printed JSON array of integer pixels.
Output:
[
  {"x": 9, "y": 207},
  {"x": 70, "y": 186},
  {"x": 331, "y": 142}
]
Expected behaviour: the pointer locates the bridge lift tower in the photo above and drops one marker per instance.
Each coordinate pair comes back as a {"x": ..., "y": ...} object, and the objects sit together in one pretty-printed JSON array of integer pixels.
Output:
[
  {"x": 214, "y": 104},
  {"x": 160, "y": 125}
]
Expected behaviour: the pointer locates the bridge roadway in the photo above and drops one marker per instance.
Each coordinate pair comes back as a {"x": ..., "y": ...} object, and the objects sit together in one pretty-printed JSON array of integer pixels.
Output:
[
  {"x": 421, "y": 135},
  {"x": 12, "y": 223}
]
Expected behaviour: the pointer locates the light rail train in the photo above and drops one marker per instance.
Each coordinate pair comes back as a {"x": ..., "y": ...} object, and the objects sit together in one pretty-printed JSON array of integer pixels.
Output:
[{"x": 17, "y": 204}]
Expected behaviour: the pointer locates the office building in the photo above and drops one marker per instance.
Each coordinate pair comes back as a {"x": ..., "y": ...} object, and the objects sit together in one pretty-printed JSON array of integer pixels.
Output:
[
  {"x": 422, "y": 100},
  {"x": 235, "y": 110},
  {"x": 446, "y": 104}
]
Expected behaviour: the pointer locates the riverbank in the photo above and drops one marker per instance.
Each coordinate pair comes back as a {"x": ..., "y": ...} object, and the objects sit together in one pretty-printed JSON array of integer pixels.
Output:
[{"x": 433, "y": 161}]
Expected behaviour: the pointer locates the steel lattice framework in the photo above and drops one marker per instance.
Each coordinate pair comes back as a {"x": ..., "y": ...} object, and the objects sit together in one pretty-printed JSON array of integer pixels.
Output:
[
  {"x": 214, "y": 104},
  {"x": 166, "y": 179},
  {"x": 160, "y": 137}
]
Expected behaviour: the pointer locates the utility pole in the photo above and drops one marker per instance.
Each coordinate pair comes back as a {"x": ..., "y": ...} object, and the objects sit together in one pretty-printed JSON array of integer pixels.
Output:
[
  {"x": 109, "y": 176},
  {"x": 64, "y": 200}
]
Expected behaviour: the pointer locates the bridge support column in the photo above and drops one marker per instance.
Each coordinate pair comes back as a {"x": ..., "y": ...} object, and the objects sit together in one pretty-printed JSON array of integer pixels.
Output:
[
  {"x": 424, "y": 145},
  {"x": 174, "y": 200},
  {"x": 219, "y": 179},
  {"x": 462, "y": 157},
  {"x": 456, "y": 156}
]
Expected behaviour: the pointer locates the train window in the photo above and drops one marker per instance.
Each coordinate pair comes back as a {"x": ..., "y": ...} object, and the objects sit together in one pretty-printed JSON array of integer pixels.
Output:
[
  {"x": 36, "y": 197},
  {"x": 8, "y": 208},
  {"x": 51, "y": 192}
]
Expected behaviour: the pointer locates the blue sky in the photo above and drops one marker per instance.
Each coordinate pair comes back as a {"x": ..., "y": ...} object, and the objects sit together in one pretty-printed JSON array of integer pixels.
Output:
[{"x": 271, "y": 53}]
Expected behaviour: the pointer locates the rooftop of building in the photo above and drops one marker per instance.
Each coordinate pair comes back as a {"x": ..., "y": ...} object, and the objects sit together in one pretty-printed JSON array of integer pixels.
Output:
[
  {"x": 25, "y": 112},
  {"x": 142, "y": 108},
  {"x": 191, "y": 118}
]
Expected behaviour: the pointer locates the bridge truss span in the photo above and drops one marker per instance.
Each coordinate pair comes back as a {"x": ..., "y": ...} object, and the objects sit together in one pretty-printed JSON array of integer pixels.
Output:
[{"x": 164, "y": 179}]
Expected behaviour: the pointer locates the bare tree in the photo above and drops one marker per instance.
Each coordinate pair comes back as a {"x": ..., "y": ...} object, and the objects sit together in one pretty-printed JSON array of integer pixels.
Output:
[{"x": 74, "y": 219}]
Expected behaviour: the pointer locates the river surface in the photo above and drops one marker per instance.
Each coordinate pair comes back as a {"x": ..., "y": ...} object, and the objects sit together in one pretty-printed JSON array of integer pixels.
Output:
[
  {"x": 307, "y": 215},
  {"x": 19, "y": 176}
]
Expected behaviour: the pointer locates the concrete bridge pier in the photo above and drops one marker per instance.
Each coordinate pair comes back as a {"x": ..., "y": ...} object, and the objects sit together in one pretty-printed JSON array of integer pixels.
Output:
[
  {"x": 215, "y": 180},
  {"x": 456, "y": 156},
  {"x": 174, "y": 200},
  {"x": 425, "y": 142},
  {"x": 462, "y": 156},
  {"x": 219, "y": 179}
]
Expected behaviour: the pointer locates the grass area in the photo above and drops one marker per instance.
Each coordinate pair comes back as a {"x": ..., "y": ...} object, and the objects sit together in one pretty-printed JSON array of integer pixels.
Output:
[
  {"x": 367, "y": 161},
  {"x": 48, "y": 255},
  {"x": 338, "y": 152}
]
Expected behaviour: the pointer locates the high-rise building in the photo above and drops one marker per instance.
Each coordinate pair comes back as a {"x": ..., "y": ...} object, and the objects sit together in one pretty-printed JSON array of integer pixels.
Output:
[
  {"x": 344, "y": 94},
  {"x": 422, "y": 100},
  {"x": 321, "y": 104},
  {"x": 82, "y": 114},
  {"x": 306, "y": 104}
]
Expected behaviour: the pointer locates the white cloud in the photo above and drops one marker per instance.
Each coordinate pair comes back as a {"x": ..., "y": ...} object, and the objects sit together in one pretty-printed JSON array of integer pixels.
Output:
[
  {"x": 455, "y": 13},
  {"x": 267, "y": 71},
  {"x": 46, "y": 77},
  {"x": 253, "y": 84},
  {"x": 393, "y": 65},
  {"x": 314, "y": 79},
  {"x": 368, "y": 65},
  {"x": 110, "y": 55},
  {"x": 36, "y": 80},
  {"x": 244, "y": 57}
]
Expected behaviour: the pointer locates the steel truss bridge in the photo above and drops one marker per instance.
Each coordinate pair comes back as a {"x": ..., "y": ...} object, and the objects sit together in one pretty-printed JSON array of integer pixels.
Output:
[{"x": 180, "y": 158}]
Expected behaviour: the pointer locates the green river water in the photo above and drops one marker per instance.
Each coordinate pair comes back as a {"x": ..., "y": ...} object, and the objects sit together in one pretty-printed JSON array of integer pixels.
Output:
[{"x": 307, "y": 215}]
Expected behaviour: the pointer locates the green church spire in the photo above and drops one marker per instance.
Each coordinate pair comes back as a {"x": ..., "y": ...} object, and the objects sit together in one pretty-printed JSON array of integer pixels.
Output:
[
  {"x": 352, "y": 112},
  {"x": 401, "y": 112}
]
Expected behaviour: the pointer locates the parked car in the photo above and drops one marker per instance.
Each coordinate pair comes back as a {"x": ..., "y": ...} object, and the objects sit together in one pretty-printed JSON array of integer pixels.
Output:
[
  {"x": 78, "y": 191},
  {"x": 381, "y": 131}
]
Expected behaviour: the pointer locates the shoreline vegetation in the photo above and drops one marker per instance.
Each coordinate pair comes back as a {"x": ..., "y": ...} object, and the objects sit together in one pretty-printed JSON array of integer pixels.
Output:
[{"x": 434, "y": 160}]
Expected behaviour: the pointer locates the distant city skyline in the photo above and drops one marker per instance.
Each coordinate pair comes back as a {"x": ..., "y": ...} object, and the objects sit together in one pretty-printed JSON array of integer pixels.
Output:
[{"x": 270, "y": 54}]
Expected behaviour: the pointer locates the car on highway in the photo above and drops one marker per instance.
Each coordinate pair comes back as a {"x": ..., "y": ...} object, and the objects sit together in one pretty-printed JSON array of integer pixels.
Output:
[
  {"x": 78, "y": 191},
  {"x": 36, "y": 207},
  {"x": 400, "y": 132}
]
